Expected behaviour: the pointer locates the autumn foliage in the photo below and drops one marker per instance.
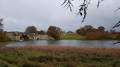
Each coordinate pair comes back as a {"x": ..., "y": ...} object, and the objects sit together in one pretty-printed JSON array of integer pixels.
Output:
[
  {"x": 54, "y": 32},
  {"x": 42, "y": 32},
  {"x": 3, "y": 36},
  {"x": 31, "y": 29},
  {"x": 93, "y": 33}
]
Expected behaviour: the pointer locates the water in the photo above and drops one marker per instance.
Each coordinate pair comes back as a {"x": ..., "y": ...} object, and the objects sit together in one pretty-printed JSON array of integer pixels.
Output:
[{"x": 79, "y": 43}]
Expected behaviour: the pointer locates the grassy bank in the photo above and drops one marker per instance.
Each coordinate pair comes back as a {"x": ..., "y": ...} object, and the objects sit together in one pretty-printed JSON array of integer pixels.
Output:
[
  {"x": 73, "y": 37},
  {"x": 59, "y": 56}
]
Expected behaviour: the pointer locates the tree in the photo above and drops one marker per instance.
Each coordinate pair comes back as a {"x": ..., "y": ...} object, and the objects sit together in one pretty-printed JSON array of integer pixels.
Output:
[
  {"x": 42, "y": 32},
  {"x": 92, "y": 36},
  {"x": 81, "y": 31},
  {"x": 54, "y": 32},
  {"x": 101, "y": 28},
  {"x": 31, "y": 29},
  {"x": 3, "y": 36},
  {"x": 113, "y": 34},
  {"x": 84, "y": 30},
  {"x": 88, "y": 28}
]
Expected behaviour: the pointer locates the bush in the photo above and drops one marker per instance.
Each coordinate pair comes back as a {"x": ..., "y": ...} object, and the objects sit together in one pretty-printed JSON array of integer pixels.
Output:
[
  {"x": 92, "y": 36},
  {"x": 3, "y": 36},
  {"x": 54, "y": 32},
  {"x": 6, "y": 64}
]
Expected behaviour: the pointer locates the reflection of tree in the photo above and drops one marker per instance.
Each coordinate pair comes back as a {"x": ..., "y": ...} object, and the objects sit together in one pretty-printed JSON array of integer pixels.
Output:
[{"x": 56, "y": 42}]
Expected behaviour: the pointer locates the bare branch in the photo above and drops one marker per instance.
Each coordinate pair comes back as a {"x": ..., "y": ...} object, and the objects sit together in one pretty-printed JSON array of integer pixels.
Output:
[
  {"x": 68, "y": 4},
  {"x": 117, "y": 9},
  {"x": 83, "y": 9},
  {"x": 99, "y": 1},
  {"x": 116, "y": 25}
]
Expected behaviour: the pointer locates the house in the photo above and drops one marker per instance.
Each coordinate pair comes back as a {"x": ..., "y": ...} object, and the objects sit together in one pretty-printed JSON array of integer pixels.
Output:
[
  {"x": 17, "y": 36},
  {"x": 14, "y": 36}
]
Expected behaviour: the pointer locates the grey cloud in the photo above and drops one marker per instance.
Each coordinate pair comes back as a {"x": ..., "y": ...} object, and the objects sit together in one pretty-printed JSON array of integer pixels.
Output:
[{"x": 18, "y": 14}]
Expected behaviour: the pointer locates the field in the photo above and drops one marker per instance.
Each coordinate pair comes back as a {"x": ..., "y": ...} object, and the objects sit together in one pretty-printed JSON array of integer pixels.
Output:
[
  {"x": 59, "y": 56},
  {"x": 73, "y": 37}
]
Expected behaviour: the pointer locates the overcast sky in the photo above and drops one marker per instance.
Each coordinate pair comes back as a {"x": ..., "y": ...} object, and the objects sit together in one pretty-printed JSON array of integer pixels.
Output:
[{"x": 19, "y": 14}]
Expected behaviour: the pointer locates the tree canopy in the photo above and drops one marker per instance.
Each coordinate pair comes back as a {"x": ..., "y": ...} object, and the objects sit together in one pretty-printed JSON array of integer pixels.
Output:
[{"x": 31, "y": 29}]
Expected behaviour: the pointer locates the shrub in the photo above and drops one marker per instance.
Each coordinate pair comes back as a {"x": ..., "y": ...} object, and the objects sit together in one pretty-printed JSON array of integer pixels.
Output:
[
  {"x": 6, "y": 64},
  {"x": 92, "y": 36},
  {"x": 54, "y": 32}
]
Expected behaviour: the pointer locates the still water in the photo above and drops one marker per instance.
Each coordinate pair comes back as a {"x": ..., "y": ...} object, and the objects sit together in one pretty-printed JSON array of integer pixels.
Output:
[{"x": 79, "y": 43}]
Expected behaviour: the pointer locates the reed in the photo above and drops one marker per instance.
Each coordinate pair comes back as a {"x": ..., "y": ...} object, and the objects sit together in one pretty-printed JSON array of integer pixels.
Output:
[
  {"x": 112, "y": 52},
  {"x": 59, "y": 56}
]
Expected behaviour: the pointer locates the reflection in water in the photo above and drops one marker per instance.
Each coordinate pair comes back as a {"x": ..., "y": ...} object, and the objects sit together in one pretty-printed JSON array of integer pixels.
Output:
[
  {"x": 51, "y": 42},
  {"x": 81, "y": 43}
]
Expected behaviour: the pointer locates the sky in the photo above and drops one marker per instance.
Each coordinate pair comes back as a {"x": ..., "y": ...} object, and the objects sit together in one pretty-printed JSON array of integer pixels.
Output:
[{"x": 19, "y": 14}]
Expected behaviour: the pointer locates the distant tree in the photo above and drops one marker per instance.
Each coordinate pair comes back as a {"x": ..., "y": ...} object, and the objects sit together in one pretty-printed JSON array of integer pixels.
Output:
[
  {"x": 3, "y": 36},
  {"x": 42, "y": 32},
  {"x": 59, "y": 30},
  {"x": 81, "y": 31},
  {"x": 54, "y": 32},
  {"x": 101, "y": 28},
  {"x": 69, "y": 32},
  {"x": 31, "y": 29},
  {"x": 88, "y": 28},
  {"x": 84, "y": 30},
  {"x": 113, "y": 34},
  {"x": 106, "y": 35},
  {"x": 92, "y": 36},
  {"x": 101, "y": 32}
]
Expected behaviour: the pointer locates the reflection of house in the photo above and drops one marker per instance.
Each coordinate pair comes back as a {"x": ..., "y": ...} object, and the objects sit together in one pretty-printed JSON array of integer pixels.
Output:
[{"x": 16, "y": 36}]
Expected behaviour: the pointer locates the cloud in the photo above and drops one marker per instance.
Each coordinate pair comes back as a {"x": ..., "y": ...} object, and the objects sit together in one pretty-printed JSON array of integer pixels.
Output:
[{"x": 18, "y": 14}]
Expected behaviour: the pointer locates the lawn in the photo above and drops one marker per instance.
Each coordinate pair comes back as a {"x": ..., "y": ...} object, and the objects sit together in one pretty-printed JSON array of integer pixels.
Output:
[
  {"x": 73, "y": 37},
  {"x": 59, "y": 56}
]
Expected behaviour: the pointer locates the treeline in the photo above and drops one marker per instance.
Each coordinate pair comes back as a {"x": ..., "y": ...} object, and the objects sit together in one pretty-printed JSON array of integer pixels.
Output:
[
  {"x": 55, "y": 32},
  {"x": 52, "y": 31},
  {"x": 97, "y": 34}
]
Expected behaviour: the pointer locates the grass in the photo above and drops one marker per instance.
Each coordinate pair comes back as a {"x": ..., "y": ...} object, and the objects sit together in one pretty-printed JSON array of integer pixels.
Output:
[
  {"x": 73, "y": 37},
  {"x": 59, "y": 56}
]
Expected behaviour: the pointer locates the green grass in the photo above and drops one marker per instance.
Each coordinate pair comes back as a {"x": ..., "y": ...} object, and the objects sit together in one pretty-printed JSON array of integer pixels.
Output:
[
  {"x": 73, "y": 37},
  {"x": 54, "y": 57}
]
